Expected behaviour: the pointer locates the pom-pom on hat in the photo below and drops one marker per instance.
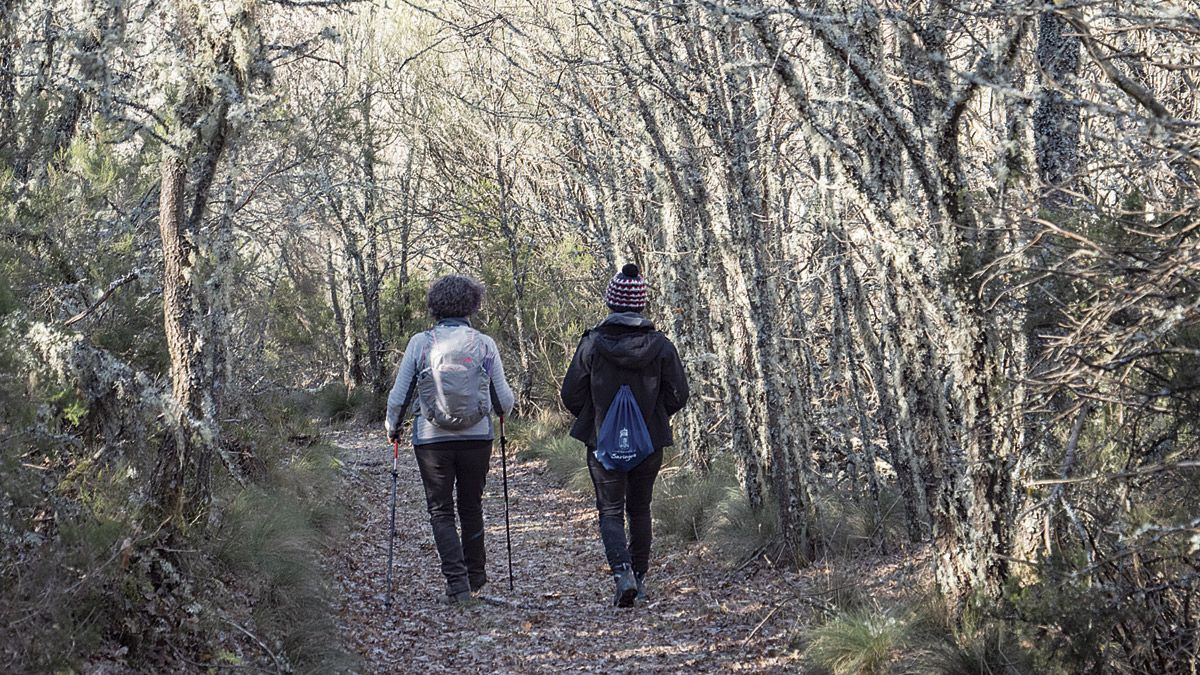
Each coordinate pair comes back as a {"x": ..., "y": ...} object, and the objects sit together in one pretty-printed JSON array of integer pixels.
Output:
[{"x": 627, "y": 290}]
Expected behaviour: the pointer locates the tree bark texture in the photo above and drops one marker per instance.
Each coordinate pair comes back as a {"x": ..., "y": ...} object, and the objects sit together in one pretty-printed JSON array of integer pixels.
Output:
[
  {"x": 1056, "y": 119},
  {"x": 181, "y": 474},
  {"x": 197, "y": 269},
  {"x": 8, "y": 88},
  {"x": 509, "y": 230}
]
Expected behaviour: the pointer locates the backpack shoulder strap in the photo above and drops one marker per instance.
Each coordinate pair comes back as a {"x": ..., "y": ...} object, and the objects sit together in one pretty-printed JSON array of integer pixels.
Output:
[
  {"x": 476, "y": 342},
  {"x": 430, "y": 339},
  {"x": 481, "y": 348}
]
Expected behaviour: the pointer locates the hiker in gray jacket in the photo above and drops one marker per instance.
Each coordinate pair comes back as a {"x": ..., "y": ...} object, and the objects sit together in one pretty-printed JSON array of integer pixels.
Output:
[{"x": 452, "y": 379}]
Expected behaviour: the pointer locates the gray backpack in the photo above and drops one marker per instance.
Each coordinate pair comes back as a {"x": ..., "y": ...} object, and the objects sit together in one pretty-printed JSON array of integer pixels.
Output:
[{"x": 453, "y": 384}]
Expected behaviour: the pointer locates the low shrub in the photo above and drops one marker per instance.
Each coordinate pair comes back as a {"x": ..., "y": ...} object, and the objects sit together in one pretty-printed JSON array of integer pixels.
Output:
[{"x": 271, "y": 536}]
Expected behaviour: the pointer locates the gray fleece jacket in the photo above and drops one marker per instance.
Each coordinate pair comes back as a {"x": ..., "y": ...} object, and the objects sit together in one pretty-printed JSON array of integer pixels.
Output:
[{"x": 403, "y": 397}]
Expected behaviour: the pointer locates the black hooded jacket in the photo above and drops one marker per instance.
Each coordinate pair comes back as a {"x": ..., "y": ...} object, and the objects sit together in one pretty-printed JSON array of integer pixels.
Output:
[{"x": 624, "y": 349}]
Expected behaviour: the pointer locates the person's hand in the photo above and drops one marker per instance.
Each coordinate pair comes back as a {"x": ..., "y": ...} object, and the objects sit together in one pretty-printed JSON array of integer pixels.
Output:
[{"x": 393, "y": 436}]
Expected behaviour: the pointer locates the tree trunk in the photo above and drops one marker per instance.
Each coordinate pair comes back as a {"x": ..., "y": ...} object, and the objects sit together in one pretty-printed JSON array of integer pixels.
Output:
[
  {"x": 351, "y": 346},
  {"x": 196, "y": 280},
  {"x": 1056, "y": 119},
  {"x": 181, "y": 481},
  {"x": 370, "y": 278},
  {"x": 345, "y": 341},
  {"x": 840, "y": 266},
  {"x": 508, "y": 229},
  {"x": 894, "y": 410},
  {"x": 778, "y": 435},
  {"x": 8, "y": 90},
  {"x": 219, "y": 299}
]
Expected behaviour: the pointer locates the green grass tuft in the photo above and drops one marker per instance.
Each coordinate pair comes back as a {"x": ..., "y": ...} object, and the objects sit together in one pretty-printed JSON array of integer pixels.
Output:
[
  {"x": 272, "y": 535},
  {"x": 686, "y": 502},
  {"x": 738, "y": 529},
  {"x": 855, "y": 643},
  {"x": 843, "y": 588},
  {"x": 524, "y": 432},
  {"x": 565, "y": 459},
  {"x": 992, "y": 650},
  {"x": 850, "y": 524},
  {"x": 335, "y": 404}
]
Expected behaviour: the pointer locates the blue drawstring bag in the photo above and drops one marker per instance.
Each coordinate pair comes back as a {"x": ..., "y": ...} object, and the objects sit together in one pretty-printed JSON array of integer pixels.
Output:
[{"x": 623, "y": 440}]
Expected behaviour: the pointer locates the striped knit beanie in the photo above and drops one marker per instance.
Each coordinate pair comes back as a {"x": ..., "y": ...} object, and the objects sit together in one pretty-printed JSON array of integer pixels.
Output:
[{"x": 627, "y": 290}]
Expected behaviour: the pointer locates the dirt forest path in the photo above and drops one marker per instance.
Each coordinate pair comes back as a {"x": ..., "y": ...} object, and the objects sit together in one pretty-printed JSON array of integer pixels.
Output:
[{"x": 558, "y": 619}]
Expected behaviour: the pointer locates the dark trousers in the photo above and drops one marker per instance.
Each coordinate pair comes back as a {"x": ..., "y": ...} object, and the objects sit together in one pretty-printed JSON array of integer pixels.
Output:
[
  {"x": 617, "y": 494},
  {"x": 445, "y": 467}
]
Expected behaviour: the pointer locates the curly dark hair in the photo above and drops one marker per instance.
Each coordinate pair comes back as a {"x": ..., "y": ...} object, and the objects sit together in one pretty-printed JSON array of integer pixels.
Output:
[{"x": 454, "y": 296}]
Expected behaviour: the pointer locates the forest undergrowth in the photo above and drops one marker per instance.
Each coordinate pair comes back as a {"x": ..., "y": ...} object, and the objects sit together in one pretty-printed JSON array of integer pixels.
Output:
[{"x": 99, "y": 583}]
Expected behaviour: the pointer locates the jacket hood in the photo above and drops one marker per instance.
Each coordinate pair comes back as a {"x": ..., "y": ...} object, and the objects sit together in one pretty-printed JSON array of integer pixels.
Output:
[
  {"x": 634, "y": 347},
  {"x": 627, "y": 319}
]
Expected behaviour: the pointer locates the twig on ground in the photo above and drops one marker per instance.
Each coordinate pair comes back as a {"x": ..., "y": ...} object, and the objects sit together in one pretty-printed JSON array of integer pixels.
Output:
[
  {"x": 750, "y": 559},
  {"x": 765, "y": 620},
  {"x": 806, "y": 599},
  {"x": 263, "y": 645}
]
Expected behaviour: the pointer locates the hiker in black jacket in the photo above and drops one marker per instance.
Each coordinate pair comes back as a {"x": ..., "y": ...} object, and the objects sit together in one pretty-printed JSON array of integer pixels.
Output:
[{"x": 625, "y": 348}]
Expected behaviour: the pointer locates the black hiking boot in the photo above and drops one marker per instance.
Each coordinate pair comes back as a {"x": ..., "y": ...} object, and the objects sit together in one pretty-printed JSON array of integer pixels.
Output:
[
  {"x": 641, "y": 587},
  {"x": 477, "y": 583},
  {"x": 627, "y": 587},
  {"x": 460, "y": 599}
]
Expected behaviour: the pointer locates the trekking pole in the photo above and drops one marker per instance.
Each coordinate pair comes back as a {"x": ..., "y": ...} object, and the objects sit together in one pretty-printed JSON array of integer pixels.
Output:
[
  {"x": 504, "y": 474},
  {"x": 392, "y": 529}
]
